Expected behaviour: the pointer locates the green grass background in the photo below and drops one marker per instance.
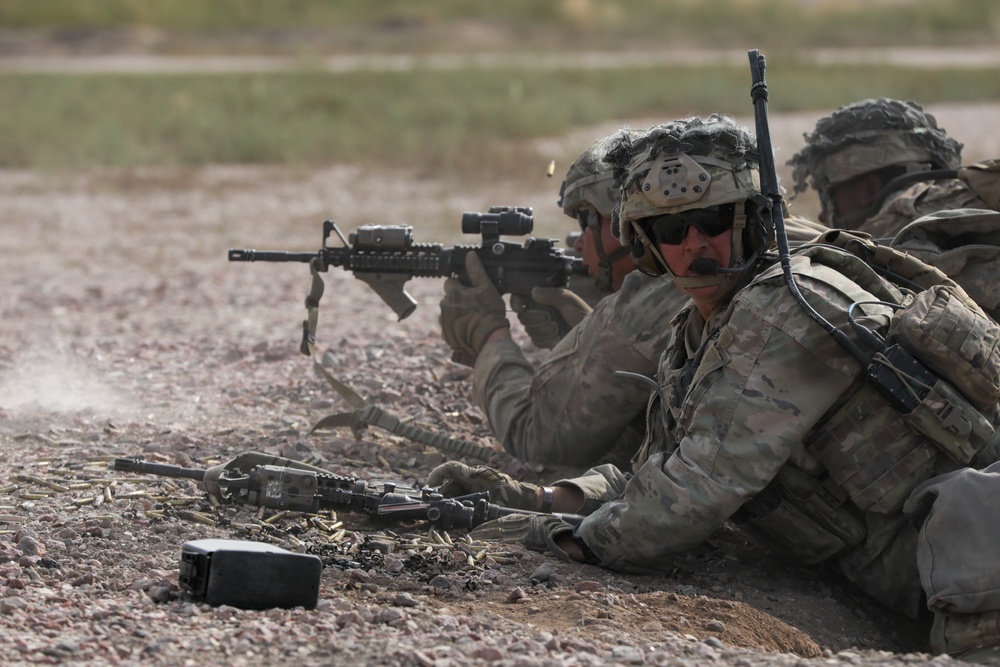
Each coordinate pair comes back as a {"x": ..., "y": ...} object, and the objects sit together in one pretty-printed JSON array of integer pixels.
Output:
[{"x": 439, "y": 121}]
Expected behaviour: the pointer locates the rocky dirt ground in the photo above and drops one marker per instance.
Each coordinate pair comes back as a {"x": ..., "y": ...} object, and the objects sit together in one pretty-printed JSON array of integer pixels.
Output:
[{"x": 125, "y": 332}]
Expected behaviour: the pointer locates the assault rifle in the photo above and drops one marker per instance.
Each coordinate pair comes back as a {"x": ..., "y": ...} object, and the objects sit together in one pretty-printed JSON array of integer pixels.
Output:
[
  {"x": 385, "y": 256},
  {"x": 310, "y": 490}
]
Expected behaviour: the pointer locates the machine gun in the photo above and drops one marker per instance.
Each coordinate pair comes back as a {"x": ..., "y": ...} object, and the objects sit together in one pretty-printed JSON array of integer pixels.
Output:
[
  {"x": 385, "y": 256},
  {"x": 307, "y": 489}
]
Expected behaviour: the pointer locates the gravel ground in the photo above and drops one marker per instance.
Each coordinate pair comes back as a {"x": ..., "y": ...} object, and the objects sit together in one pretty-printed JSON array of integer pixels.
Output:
[{"x": 124, "y": 332}]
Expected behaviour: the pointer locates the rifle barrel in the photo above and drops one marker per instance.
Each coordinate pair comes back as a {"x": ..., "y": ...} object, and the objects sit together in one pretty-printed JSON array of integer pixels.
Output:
[
  {"x": 240, "y": 255},
  {"x": 161, "y": 469}
]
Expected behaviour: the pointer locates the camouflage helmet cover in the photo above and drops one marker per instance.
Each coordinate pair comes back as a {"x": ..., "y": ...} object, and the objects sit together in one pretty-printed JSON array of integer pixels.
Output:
[
  {"x": 869, "y": 135},
  {"x": 589, "y": 182},
  {"x": 687, "y": 164},
  {"x": 693, "y": 163}
]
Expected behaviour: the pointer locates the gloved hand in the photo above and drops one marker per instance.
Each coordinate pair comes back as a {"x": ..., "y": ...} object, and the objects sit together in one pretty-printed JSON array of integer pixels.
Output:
[
  {"x": 548, "y": 314},
  {"x": 537, "y": 532},
  {"x": 469, "y": 314},
  {"x": 457, "y": 479}
]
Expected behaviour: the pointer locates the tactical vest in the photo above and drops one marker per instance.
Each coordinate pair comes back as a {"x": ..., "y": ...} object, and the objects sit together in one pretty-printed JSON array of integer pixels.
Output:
[{"x": 869, "y": 455}]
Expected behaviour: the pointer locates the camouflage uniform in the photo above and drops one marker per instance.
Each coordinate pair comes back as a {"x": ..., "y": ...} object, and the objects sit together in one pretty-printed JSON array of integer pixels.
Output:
[
  {"x": 572, "y": 409},
  {"x": 764, "y": 415},
  {"x": 904, "y": 206}
]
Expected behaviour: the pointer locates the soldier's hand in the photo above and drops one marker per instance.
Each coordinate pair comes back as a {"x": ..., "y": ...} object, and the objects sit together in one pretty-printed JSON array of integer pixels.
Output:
[
  {"x": 469, "y": 314},
  {"x": 548, "y": 314},
  {"x": 457, "y": 479},
  {"x": 538, "y": 532}
]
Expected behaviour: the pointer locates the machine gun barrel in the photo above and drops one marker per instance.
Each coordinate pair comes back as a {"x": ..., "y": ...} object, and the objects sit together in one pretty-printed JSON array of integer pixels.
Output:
[{"x": 159, "y": 469}]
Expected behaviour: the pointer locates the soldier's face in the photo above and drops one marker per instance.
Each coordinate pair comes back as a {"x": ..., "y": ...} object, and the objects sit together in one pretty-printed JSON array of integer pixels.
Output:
[
  {"x": 851, "y": 198},
  {"x": 697, "y": 243},
  {"x": 586, "y": 245}
]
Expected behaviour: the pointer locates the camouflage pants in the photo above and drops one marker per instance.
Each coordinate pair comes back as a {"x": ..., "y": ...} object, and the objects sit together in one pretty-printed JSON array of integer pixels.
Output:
[{"x": 970, "y": 637}]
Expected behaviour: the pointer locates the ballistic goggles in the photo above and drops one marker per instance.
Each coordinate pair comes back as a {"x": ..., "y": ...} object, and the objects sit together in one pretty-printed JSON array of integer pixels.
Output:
[{"x": 670, "y": 229}]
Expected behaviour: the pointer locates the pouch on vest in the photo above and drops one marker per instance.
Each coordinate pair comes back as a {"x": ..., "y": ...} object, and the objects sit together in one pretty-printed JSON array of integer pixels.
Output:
[
  {"x": 803, "y": 516},
  {"x": 957, "y": 428},
  {"x": 955, "y": 339}
]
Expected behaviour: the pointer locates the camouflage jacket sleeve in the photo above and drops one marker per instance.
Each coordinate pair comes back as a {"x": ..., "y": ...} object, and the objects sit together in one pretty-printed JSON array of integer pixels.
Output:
[
  {"x": 762, "y": 383},
  {"x": 572, "y": 409}
]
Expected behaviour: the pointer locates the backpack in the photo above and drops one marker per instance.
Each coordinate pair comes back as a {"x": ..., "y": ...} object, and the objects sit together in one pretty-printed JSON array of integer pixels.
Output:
[{"x": 964, "y": 244}]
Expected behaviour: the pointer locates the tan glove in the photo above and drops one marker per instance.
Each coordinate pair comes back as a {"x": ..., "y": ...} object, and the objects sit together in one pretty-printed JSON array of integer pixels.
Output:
[
  {"x": 537, "y": 532},
  {"x": 469, "y": 314},
  {"x": 457, "y": 479},
  {"x": 548, "y": 314}
]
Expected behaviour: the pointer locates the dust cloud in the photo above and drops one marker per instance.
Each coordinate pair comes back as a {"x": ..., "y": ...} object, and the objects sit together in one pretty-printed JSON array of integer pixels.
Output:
[{"x": 56, "y": 382}]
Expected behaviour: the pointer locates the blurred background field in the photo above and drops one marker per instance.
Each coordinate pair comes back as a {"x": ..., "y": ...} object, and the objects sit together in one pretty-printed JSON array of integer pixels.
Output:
[{"x": 451, "y": 88}]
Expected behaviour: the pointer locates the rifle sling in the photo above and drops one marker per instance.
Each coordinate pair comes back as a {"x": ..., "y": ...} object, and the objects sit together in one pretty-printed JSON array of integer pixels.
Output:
[
  {"x": 308, "y": 345},
  {"x": 365, "y": 414},
  {"x": 370, "y": 415}
]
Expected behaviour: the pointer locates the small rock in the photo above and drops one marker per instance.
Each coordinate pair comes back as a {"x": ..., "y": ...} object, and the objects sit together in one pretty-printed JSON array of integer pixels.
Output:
[
  {"x": 542, "y": 573},
  {"x": 516, "y": 595},
  {"x": 627, "y": 654},
  {"x": 348, "y": 619},
  {"x": 405, "y": 600},
  {"x": 584, "y": 586},
  {"x": 29, "y": 546},
  {"x": 391, "y": 616},
  {"x": 159, "y": 594},
  {"x": 488, "y": 653},
  {"x": 359, "y": 575},
  {"x": 441, "y": 581},
  {"x": 84, "y": 580},
  {"x": 10, "y": 605},
  {"x": 715, "y": 626}
]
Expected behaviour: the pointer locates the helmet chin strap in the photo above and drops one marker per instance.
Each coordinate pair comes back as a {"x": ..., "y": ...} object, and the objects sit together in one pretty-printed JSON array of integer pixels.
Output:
[
  {"x": 604, "y": 261},
  {"x": 603, "y": 277}
]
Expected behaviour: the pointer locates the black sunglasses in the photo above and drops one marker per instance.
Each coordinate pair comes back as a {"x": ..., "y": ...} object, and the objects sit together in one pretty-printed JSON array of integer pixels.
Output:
[{"x": 671, "y": 229}]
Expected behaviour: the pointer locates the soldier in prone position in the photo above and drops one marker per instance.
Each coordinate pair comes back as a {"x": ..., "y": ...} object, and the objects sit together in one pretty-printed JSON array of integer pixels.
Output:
[
  {"x": 573, "y": 409},
  {"x": 765, "y": 416}
]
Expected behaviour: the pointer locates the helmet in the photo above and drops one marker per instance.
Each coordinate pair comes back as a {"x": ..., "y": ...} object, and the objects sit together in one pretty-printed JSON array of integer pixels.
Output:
[
  {"x": 589, "y": 181},
  {"x": 868, "y": 136},
  {"x": 684, "y": 165},
  {"x": 589, "y": 194}
]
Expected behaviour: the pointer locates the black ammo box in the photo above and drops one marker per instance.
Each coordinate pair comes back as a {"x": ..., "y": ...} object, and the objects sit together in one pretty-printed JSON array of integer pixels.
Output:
[{"x": 249, "y": 575}]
